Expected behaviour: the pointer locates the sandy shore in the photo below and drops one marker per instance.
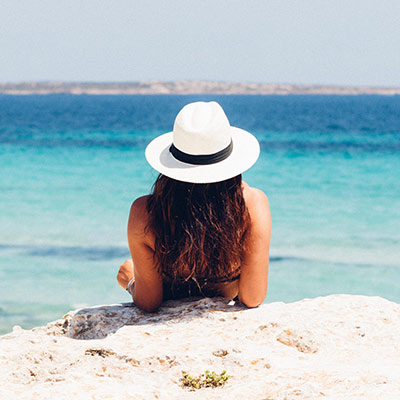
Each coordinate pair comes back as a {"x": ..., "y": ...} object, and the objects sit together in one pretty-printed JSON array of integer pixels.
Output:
[{"x": 335, "y": 347}]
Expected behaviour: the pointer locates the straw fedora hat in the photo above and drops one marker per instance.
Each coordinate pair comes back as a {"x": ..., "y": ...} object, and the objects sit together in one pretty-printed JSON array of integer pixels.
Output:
[{"x": 203, "y": 147}]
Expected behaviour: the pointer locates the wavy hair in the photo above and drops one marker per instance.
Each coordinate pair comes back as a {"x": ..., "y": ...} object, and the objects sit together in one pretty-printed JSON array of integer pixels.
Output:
[{"x": 200, "y": 229}]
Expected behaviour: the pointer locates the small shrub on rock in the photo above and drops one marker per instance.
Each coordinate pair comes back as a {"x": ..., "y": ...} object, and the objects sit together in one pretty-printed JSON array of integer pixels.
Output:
[{"x": 208, "y": 379}]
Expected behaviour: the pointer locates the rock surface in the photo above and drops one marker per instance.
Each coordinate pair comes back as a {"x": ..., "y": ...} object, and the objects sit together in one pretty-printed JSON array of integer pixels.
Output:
[{"x": 335, "y": 347}]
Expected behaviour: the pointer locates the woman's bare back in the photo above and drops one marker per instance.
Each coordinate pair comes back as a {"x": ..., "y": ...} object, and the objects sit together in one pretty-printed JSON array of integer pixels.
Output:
[{"x": 251, "y": 287}]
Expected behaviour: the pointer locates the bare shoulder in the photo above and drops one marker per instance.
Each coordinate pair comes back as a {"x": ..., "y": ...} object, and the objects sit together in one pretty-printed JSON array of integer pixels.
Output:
[
  {"x": 140, "y": 204},
  {"x": 257, "y": 204},
  {"x": 256, "y": 200},
  {"x": 138, "y": 216}
]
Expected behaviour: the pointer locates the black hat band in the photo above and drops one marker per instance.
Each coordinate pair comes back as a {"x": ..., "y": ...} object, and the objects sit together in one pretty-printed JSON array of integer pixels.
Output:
[{"x": 201, "y": 159}]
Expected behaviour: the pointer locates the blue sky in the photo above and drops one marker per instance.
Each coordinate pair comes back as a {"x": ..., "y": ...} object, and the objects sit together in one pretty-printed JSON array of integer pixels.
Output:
[{"x": 349, "y": 42}]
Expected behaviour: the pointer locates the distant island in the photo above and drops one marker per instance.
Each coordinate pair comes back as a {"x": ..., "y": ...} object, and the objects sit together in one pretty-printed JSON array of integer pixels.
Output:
[{"x": 185, "y": 87}]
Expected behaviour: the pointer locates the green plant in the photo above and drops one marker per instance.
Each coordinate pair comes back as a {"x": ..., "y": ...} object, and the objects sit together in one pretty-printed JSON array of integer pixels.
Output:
[{"x": 208, "y": 379}]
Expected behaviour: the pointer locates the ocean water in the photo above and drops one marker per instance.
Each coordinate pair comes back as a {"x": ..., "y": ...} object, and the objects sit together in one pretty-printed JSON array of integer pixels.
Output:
[{"x": 70, "y": 167}]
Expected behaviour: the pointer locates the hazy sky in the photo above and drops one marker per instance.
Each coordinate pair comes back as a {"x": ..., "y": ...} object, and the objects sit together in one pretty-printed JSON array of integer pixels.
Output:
[{"x": 350, "y": 42}]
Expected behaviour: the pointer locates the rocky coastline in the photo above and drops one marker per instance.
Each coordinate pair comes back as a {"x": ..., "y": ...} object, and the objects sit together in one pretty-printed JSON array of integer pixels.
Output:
[
  {"x": 334, "y": 347},
  {"x": 185, "y": 88}
]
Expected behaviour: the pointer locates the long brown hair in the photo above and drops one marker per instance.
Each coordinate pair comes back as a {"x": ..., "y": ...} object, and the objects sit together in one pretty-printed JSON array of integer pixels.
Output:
[{"x": 200, "y": 229}]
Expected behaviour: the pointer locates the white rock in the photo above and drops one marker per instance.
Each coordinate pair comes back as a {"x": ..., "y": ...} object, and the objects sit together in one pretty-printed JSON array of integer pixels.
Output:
[{"x": 335, "y": 347}]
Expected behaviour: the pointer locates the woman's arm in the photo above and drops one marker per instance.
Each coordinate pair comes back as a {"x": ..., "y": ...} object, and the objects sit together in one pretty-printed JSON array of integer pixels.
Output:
[
  {"x": 148, "y": 292},
  {"x": 253, "y": 280}
]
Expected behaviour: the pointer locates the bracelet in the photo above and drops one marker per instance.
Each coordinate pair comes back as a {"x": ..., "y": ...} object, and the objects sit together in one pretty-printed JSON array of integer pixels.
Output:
[{"x": 130, "y": 283}]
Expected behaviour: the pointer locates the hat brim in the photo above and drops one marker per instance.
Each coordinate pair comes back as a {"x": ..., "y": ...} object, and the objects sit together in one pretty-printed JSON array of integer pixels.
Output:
[{"x": 245, "y": 152}]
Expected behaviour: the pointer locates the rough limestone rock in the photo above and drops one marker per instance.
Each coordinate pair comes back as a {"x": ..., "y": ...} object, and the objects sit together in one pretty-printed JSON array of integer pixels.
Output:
[{"x": 335, "y": 347}]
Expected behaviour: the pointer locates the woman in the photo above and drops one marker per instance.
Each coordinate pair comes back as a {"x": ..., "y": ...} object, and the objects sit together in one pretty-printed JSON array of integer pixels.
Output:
[{"x": 203, "y": 231}]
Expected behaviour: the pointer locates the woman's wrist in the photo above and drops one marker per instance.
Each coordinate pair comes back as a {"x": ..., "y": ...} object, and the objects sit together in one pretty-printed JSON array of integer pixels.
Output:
[{"x": 129, "y": 286}]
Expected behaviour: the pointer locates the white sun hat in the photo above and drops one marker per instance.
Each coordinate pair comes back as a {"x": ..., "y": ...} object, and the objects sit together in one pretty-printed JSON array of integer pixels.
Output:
[{"x": 203, "y": 147}]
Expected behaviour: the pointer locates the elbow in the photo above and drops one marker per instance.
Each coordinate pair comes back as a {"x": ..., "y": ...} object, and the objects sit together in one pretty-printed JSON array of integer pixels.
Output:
[
  {"x": 250, "y": 304},
  {"x": 251, "y": 301},
  {"x": 146, "y": 299},
  {"x": 150, "y": 308},
  {"x": 147, "y": 306}
]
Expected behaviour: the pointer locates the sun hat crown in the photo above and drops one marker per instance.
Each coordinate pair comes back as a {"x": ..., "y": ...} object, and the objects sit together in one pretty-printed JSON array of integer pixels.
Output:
[{"x": 201, "y": 128}]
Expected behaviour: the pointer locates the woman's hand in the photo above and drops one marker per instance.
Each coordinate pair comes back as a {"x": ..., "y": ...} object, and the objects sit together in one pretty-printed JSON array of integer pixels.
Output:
[{"x": 125, "y": 273}]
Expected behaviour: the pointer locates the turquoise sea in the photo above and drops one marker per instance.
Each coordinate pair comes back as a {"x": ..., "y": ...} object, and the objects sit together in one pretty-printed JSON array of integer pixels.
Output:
[{"x": 70, "y": 166}]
